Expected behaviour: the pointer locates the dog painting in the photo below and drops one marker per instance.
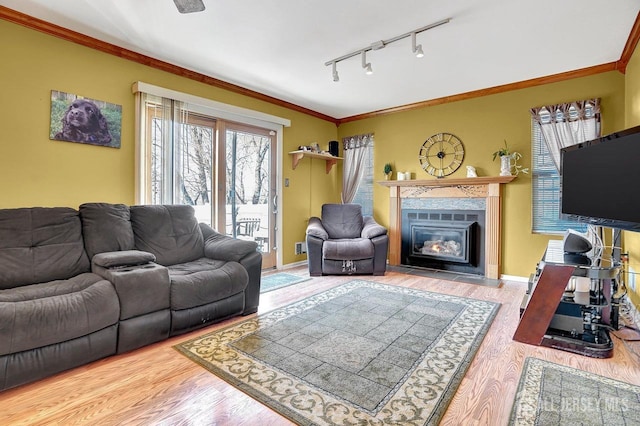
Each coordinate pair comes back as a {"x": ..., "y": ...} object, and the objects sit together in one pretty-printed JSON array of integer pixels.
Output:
[{"x": 83, "y": 120}]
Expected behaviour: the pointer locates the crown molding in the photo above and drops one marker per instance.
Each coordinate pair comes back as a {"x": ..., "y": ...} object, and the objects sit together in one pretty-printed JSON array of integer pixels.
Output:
[
  {"x": 93, "y": 43},
  {"x": 84, "y": 40},
  {"x": 583, "y": 72},
  {"x": 630, "y": 46}
]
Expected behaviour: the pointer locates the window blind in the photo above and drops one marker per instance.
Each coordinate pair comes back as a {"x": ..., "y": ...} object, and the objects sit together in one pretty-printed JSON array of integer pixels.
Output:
[{"x": 545, "y": 190}]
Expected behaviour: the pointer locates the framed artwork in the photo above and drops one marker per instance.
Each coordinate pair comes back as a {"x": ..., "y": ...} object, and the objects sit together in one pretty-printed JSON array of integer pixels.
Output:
[{"x": 84, "y": 120}]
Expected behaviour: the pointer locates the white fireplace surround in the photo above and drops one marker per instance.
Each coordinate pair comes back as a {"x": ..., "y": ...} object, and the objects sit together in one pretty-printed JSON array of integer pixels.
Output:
[{"x": 487, "y": 188}]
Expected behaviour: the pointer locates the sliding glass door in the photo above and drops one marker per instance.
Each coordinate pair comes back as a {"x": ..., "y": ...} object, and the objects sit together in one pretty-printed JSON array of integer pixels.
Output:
[
  {"x": 250, "y": 190},
  {"x": 190, "y": 154}
]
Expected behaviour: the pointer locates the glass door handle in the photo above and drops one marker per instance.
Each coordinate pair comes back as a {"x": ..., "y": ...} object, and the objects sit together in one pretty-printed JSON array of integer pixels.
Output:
[{"x": 275, "y": 204}]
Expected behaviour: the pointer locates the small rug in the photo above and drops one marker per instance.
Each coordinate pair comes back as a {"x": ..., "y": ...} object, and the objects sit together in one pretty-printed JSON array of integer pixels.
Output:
[
  {"x": 361, "y": 353},
  {"x": 279, "y": 280},
  {"x": 552, "y": 394}
]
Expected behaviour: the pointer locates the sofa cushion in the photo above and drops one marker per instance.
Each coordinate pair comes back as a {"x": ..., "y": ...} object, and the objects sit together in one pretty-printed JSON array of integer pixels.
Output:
[
  {"x": 348, "y": 249},
  {"x": 342, "y": 220},
  {"x": 44, "y": 314},
  {"x": 39, "y": 245},
  {"x": 205, "y": 281},
  {"x": 106, "y": 227},
  {"x": 170, "y": 232}
]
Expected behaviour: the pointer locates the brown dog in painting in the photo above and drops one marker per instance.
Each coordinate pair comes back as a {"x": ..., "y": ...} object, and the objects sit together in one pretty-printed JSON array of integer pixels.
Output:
[{"x": 83, "y": 122}]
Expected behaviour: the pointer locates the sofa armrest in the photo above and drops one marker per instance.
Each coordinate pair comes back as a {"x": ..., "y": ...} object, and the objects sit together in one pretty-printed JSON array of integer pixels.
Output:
[
  {"x": 315, "y": 229},
  {"x": 372, "y": 229},
  {"x": 116, "y": 259},
  {"x": 224, "y": 247}
]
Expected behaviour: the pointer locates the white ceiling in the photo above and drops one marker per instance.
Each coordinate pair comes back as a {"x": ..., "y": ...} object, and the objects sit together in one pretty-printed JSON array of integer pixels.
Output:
[{"x": 279, "y": 47}]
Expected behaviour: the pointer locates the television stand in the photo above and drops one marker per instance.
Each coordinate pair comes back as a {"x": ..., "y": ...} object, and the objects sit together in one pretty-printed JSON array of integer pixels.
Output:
[{"x": 555, "y": 315}]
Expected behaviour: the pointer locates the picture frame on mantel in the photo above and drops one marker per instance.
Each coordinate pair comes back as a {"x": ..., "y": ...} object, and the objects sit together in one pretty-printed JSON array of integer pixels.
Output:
[{"x": 84, "y": 120}]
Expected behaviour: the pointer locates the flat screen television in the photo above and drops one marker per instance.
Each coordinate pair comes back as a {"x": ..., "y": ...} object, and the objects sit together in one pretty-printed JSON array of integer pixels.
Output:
[{"x": 600, "y": 181}]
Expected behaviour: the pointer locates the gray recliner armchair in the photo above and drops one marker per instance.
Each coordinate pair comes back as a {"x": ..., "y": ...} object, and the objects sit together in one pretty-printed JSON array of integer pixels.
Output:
[{"x": 345, "y": 242}]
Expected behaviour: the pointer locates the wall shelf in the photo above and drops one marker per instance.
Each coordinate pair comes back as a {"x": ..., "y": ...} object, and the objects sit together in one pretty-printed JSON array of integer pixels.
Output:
[{"x": 296, "y": 156}]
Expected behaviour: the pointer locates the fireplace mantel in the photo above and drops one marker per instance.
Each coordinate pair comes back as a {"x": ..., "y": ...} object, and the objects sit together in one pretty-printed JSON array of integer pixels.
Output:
[
  {"x": 449, "y": 182},
  {"x": 488, "y": 188}
]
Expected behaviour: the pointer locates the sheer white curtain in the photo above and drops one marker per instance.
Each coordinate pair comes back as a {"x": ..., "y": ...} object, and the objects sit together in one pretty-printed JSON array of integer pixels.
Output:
[
  {"x": 354, "y": 162},
  {"x": 567, "y": 124}
]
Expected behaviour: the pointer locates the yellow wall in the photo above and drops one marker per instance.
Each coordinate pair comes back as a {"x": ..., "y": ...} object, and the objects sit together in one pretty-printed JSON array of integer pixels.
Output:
[
  {"x": 35, "y": 171},
  {"x": 632, "y": 110},
  {"x": 483, "y": 124}
]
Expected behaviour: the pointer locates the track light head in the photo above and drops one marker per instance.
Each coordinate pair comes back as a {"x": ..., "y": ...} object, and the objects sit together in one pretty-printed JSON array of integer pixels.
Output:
[
  {"x": 417, "y": 48},
  {"x": 366, "y": 65},
  {"x": 336, "y": 78}
]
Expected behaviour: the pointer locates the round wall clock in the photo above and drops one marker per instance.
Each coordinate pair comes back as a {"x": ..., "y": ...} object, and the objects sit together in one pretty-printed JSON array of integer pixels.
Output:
[{"x": 441, "y": 154}]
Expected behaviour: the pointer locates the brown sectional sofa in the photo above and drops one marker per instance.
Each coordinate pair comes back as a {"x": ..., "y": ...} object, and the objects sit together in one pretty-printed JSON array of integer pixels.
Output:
[{"x": 80, "y": 285}]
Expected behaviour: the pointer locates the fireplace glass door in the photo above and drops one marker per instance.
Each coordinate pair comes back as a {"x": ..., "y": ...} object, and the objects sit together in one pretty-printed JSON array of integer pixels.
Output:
[{"x": 445, "y": 241}]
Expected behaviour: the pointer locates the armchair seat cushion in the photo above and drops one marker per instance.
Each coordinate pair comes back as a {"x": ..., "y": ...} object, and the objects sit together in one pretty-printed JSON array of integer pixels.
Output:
[
  {"x": 43, "y": 314},
  {"x": 205, "y": 281},
  {"x": 348, "y": 249}
]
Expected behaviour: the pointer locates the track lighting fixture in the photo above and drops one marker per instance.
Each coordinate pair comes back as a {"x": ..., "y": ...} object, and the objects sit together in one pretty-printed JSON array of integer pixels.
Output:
[
  {"x": 416, "y": 48},
  {"x": 366, "y": 65},
  {"x": 335, "y": 72}
]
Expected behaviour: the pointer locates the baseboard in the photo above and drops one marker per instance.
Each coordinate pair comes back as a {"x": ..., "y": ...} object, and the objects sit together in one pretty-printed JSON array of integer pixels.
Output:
[
  {"x": 292, "y": 265},
  {"x": 514, "y": 278}
]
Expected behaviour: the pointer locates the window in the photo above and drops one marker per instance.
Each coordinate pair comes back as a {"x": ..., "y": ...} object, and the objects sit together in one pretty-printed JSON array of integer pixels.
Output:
[
  {"x": 545, "y": 189},
  {"x": 364, "y": 195},
  {"x": 182, "y": 146}
]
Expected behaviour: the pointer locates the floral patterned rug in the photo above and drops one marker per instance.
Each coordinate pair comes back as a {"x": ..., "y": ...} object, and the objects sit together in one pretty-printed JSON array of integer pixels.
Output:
[
  {"x": 552, "y": 394},
  {"x": 361, "y": 353}
]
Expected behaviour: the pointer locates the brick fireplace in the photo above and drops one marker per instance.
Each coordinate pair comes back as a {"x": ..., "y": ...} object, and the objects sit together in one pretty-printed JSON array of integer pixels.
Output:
[{"x": 465, "y": 197}]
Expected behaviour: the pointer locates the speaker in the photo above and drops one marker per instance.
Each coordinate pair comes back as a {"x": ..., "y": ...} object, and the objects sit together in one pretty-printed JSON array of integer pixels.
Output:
[
  {"x": 334, "y": 148},
  {"x": 575, "y": 242}
]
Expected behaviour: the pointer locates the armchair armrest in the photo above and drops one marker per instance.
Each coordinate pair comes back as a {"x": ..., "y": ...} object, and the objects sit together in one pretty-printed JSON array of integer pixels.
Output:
[
  {"x": 224, "y": 247},
  {"x": 315, "y": 229},
  {"x": 372, "y": 229},
  {"x": 116, "y": 259}
]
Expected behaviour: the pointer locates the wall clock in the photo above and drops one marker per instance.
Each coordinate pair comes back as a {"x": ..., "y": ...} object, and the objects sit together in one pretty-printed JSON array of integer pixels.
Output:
[{"x": 441, "y": 154}]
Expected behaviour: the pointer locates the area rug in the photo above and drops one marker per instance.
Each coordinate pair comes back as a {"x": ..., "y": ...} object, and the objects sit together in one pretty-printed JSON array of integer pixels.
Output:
[
  {"x": 278, "y": 280},
  {"x": 361, "y": 353},
  {"x": 551, "y": 394}
]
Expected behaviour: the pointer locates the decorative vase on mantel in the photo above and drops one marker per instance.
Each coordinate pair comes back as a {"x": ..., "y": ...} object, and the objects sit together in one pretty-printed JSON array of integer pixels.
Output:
[{"x": 505, "y": 165}]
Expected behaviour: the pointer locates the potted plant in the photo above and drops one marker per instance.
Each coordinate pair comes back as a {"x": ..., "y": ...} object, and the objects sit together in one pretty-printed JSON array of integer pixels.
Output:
[
  {"x": 509, "y": 161},
  {"x": 387, "y": 171}
]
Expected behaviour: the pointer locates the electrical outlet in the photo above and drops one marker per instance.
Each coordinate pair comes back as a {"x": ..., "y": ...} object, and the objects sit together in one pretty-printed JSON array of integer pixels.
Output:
[{"x": 301, "y": 247}]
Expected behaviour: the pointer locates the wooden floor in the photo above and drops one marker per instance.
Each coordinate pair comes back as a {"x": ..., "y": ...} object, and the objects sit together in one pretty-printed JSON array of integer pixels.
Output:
[{"x": 157, "y": 385}]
